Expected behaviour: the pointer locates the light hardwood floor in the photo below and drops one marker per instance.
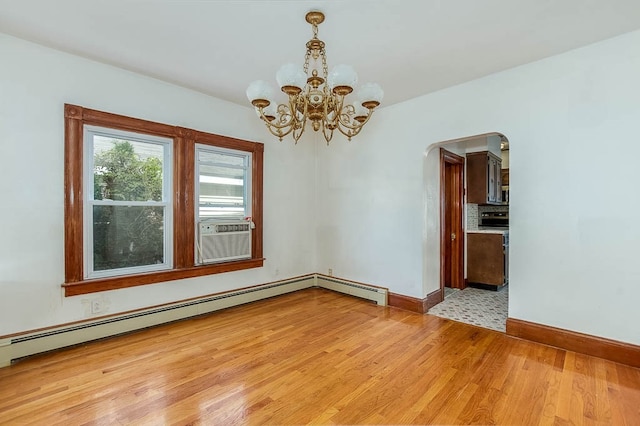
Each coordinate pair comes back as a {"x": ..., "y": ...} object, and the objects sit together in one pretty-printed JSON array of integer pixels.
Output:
[{"x": 317, "y": 357}]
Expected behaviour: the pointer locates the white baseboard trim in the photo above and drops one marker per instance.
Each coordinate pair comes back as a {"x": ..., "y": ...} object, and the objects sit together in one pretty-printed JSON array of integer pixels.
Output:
[{"x": 31, "y": 343}]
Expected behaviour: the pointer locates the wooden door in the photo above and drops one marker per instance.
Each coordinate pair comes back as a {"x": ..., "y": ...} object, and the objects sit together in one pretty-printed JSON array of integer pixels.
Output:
[{"x": 451, "y": 220}]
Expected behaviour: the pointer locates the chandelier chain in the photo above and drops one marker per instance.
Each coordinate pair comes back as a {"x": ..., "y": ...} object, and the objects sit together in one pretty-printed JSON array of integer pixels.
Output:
[
  {"x": 306, "y": 61},
  {"x": 325, "y": 69}
]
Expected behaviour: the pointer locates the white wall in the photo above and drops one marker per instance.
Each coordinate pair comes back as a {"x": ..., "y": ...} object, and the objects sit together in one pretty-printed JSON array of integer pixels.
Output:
[
  {"x": 35, "y": 82},
  {"x": 572, "y": 122}
]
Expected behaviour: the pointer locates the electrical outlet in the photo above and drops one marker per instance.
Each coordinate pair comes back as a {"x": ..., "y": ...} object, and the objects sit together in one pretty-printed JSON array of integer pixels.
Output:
[
  {"x": 96, "y": 306},
  {"x": 330, "y": 272}
]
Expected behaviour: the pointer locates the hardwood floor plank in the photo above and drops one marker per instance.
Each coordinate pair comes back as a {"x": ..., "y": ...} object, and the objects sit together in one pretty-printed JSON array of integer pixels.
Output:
[
  {"x": 624, "y": 390},
  {"x": 317, "y": 357}
]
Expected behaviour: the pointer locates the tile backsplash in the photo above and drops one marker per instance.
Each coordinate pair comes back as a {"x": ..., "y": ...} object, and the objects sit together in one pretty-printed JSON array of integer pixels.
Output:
[
  {"x": 472, "y": 217},
  {"x": 482, "y": 209}
]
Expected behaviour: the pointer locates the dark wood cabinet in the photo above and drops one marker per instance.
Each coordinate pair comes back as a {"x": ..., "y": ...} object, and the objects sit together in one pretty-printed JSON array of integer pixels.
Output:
[
  {"x": 484, "y": 178},
  {"x": 505, "y": 177},
  {"x": 486, "y": 259}
]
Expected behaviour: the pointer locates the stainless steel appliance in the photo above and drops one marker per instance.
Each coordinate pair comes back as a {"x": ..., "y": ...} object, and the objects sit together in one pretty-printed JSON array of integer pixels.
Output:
[
  {"x": 488, "y": 250},
  {"x": 505, "y": 250},
  {"x": 494, "y": 220}
]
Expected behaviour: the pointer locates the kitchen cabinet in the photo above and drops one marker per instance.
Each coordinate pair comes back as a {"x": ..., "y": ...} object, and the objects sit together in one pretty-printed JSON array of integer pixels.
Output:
[
  {"x": 484, "y": 178},
  {"x": 505, "y": 177},
  {"x": 487, "y": 259}
]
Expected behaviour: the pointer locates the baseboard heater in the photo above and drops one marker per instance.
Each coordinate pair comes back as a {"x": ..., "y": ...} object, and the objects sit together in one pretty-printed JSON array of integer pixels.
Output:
[
  {"x": 23, "y": 345},
  {"x": 364, "y": 291}
]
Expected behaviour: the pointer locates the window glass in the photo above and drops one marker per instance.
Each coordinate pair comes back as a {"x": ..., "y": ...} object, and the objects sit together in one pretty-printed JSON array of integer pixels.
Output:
[
  {"x": 223, "y": 184},
  {"x": 207, "y": 156},
  {"x": 128, "y": 209},
  {"x": 127, "y": 236},
  {"x": 126, "y": 170}
]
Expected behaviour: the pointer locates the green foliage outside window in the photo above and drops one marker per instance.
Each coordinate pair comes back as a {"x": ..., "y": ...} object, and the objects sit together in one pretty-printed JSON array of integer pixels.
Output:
[
  {"x": 127, "y": 235},
  {"x": 121, "y": 175}
]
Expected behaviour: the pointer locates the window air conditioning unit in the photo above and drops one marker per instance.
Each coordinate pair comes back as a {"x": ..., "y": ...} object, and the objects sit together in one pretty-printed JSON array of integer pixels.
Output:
[{"x": 224, "y": 241}]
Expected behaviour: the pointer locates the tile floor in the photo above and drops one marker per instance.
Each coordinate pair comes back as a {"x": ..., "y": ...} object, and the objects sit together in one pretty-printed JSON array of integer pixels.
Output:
[{"x": 484, "y": 308}]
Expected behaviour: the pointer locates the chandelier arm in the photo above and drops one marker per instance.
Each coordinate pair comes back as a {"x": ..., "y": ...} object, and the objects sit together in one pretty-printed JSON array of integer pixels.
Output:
[
  {"x": 297, "y": 134},
  {"x": 345, "y": 114},
  {"x": 340, "y": 104},
  {"x": 351, "y": 130},
  {"x": 303, "y": 100},
  {"x": 347, "y": 124},
  {"x": 298, "y": 130},
  {"x": 266, "y": 120},
  {"x": 261, "y": 114},
  {"x": 298, "y": 123},
  {"x": 279, "y": 122},
  {"x": 277, "y": 131},
  {"x": 327, "y": 133},
  {"x": 348, "y": 132},
  {"x": 326, "y": 119},
  {"x": 279, "y": 127},
  {"x": 335, "y": 109}
]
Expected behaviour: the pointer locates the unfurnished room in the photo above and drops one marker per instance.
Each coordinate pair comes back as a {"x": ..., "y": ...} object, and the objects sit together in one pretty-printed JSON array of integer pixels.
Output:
[{"x": 339, "y": 212}]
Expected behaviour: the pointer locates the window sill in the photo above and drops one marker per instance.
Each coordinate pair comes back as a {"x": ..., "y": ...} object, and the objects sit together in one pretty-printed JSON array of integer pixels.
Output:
[{"x": 115, "y": 283}]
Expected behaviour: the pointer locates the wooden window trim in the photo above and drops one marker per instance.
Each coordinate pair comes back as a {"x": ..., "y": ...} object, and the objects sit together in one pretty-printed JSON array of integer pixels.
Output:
[{"x": 75, "y": 118}]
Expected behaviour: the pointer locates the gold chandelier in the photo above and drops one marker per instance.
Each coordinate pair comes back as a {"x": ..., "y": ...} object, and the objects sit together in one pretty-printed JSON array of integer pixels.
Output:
[{"x": 317, "y": 96}]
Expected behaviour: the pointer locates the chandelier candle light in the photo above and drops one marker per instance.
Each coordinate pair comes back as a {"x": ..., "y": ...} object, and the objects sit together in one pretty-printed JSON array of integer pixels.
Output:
[{"x": 318, "y": 97}]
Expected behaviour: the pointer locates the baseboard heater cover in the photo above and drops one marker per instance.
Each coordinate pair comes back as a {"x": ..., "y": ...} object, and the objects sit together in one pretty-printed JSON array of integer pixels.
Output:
[
  {"x": 34, "y": 343},
  {"x": 12, "y": 348},
  {"x": 376, "y": 294}
]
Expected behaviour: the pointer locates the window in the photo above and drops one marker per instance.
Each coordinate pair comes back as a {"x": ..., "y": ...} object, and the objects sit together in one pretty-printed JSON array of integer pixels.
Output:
[
  {"x": 131, "y": 189},
  {"x": 127, "y": 203},
  {"x": 224, "y": 183},
  {"x": 223, "y": 194}
]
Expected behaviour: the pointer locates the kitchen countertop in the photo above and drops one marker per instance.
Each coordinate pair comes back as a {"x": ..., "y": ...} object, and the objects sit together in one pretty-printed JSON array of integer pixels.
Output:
[{"x": 488, "y": 231}]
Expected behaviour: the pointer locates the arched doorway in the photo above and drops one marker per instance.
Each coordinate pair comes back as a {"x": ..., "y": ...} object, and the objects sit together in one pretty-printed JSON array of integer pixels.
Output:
[{"x": 457, "y": 218}]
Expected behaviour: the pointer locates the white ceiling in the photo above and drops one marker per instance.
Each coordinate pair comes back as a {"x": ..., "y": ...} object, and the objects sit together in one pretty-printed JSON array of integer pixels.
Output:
[{"x": 410, "y": 47}]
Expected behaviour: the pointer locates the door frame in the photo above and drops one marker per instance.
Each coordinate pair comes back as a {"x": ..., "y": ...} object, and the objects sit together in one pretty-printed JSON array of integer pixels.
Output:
[{"x": 457, "y": 192}]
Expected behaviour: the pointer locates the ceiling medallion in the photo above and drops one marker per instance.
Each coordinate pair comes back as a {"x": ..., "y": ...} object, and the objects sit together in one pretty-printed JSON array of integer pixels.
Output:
[{"x": 315, "y": 95}]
